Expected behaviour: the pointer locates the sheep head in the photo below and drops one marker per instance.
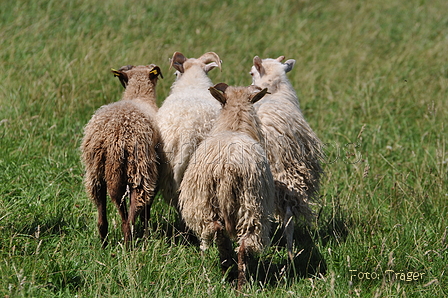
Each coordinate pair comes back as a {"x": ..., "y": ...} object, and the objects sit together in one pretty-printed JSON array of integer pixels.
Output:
[
  {"x": 207, "y": 62},
  {"x": 253, "y": 93},
  {"x": 126, "y": 72},
  {"x": 268, "y": 71}
]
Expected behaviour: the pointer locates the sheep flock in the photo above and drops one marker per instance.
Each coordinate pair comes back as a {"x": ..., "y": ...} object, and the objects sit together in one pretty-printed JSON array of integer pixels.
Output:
[{"x": 233, "y": 161}]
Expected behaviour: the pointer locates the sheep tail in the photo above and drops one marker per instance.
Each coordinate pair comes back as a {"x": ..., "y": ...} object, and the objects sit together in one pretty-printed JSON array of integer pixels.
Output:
[
  {"x": 227, "y": 203},
  {"x": 113, "y": 167}
]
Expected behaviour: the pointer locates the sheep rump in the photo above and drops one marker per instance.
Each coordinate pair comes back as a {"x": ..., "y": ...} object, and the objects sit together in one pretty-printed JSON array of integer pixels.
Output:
[
  {"x": 117, "y": 143},
  {"x": 231, "y": 171}
]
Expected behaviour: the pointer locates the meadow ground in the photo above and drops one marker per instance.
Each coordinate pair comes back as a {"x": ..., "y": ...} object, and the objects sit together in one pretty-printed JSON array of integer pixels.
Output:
[{"x": 372, "y": 77}]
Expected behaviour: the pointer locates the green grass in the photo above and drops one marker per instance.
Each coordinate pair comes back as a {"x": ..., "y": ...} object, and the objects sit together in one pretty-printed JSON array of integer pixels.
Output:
[{"x": 373, "y": 83}]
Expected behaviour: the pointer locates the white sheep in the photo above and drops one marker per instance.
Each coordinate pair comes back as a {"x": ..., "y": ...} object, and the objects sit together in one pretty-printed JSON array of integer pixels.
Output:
[
  {"x": 185, "y": 118},
  {"x": 293, "y": 149},
  {"x": 228, "y": 189},
  {"x": 119, "y": 150}
]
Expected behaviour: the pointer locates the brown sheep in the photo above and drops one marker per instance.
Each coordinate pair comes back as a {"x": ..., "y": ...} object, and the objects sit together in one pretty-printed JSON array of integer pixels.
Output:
[{"x": 119, "y": 150}]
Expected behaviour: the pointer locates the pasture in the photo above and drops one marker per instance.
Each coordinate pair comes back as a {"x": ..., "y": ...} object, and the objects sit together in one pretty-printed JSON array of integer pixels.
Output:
[{"x": 372, "y": 79}]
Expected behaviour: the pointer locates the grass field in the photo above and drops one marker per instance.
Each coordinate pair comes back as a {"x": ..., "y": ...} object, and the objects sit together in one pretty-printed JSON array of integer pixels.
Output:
[{"x": 372, "y": 77}]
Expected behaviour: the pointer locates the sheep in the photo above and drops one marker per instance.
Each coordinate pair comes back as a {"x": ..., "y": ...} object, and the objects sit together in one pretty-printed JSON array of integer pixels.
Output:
[
  {"x": 185, "y": 118},
  {"x": 293, "y": 149},
  {"x": 228, "y": 189},
  {"x": 119, "y": 150}
]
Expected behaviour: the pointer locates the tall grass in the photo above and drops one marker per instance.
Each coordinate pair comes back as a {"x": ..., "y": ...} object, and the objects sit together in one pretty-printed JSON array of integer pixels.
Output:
[{"x": 373, "y": 83}]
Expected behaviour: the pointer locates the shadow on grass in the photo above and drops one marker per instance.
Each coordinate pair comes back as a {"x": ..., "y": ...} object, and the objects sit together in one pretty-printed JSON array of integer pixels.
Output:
[
  {"x": 275, "y": 267},
  {"x": 332, "y": 225}
]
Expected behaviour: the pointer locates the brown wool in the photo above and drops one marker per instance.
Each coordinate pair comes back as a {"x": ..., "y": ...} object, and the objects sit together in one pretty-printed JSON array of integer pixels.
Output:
[{"x": 119, "y": 149}]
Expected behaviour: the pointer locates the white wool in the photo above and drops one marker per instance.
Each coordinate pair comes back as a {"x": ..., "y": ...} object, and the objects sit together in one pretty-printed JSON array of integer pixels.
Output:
[
  {"x": 294, "y": 150},
  {"x": 185, "y": 119}
]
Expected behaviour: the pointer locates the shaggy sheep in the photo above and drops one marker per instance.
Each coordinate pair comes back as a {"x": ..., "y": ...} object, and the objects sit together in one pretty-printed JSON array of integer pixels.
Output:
[
  {"x": 119, "y": 149},
  {"x": 293, "y": 149},
  {"x": 185, "y": 118},
  {"x": 228, "y": 190}
]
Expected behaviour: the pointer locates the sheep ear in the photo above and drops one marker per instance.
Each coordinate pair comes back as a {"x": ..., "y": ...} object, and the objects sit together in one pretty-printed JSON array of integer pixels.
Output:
[
  {"x": 218, "y": 95},
  {"x": 122, "y": 76},
  {"x": 259, "y": 95},
  {"x": 178, "y": 61},
  {"x": 221, "y": 87},
  {"x": 116, "y": 73},
  {"x": 155, "y": 72},
  {"x": 259, "y": 66},
  {"x": 289, "y": 64}
]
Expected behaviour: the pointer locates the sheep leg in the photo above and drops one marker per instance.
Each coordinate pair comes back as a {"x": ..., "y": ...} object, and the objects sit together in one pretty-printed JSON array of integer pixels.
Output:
[
  {"x": 146, "y": 212},
  {"x": 122, "y": 209},
  {"x": 137, "y": 203},
  {"x": 289, "y": 231},
  {"x": 242, "y": 259},
  {"x": 132, "y": 214},
  {"x": 144, "y": 218},
  {"x": 118, "y": 197},
  {"x": 225, "y": 249},
  {"x": 101, "y": 203}
]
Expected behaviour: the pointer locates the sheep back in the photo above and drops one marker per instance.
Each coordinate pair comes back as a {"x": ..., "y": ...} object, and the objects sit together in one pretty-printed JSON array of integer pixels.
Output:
[
  {"x": 293, "y": 149},
  {"x": 184, "y": 122}
]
